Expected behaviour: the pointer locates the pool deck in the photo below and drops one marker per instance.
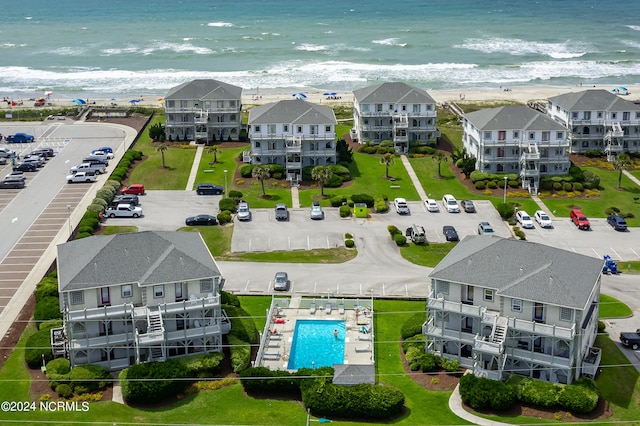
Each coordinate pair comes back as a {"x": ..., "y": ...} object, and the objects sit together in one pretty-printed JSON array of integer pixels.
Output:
[{"x": 275, "y": 348}]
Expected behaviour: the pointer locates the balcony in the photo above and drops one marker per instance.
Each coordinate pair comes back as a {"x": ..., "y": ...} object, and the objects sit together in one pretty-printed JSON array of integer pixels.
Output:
[
  {"x": 540, "y": 358},
  {"x": 293, "y": 145},
  {"x": 457, "y": 307},
  {"x": 201, "y": 135},
  {"x": 433, "y": 330},
  {"x": 542, "y": 329},
  {"x": 105, "y": 312},
  {"x": 293, "y": 165},
  {"x": 201, "y": 120},
  {"x": 483, "y": 344},
  {"x": 81, "y": 342},
  {"x": 148, "y": 339},
  {"x": 189, "y": 333}
]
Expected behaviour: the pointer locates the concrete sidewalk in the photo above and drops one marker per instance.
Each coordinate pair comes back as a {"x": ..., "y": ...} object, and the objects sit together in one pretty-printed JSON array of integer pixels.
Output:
[
  {"x": 194, "y": 168},
  {"x": 414, "y": 177},
  {"x": 455, "y": 405}
]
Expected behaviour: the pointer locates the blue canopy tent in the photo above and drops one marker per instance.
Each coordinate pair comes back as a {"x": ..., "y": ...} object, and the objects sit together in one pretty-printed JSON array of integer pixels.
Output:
[{"x": 79, "y": 101}]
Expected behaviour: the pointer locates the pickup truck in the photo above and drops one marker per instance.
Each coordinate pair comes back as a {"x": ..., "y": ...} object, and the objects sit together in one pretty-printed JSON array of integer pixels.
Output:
[
  {"x": 123, "y": 210},
  {"x": 281, "y": 212},
  {"x": 95, "y": 167},
  {"x": 631, "y": 339},
  {"x": 19, "y": 138},
  {"x": 81, "y": 177},
  {"x": 401, "y": 206}
]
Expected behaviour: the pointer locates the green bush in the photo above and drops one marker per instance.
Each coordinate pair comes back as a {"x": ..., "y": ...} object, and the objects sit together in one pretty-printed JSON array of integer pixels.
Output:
[
  {"x": 477, "y": 176},
  {"x": 246, "y": 170},
  {"x": 349, "y": 243},
  {"x": 601, "y": 327},
  {"x": 242, "y": 325},
  {"x": 334, "y": 182},
  {"x": 591, "y": 180},
  {"x": 381, "y": 206},
  {"x": 262, "y": 379},
  {"x": 98, "y": 208},
  {"x": 450, "y": 365},
  {"x": 235, "y": 195},
  {"x": 393, "y": 230},
  {"x": 413, "y": 325},
  {"x": 338, "y": 201},
  {"x": 492, "y": 184},
  {"x": 83, "y": 235},
  {"x": 418, "y": 341},
  {"x": 224, "y": 217},
  {"x": 537, "y": 392},
  {"x": 520, "y": 234},
  {"x": 342, "y": 171},
  {"x": 480, "y": 185},
  {"x": 46, "y": 309},
  {"x": 38, "y": 344},
  {"x": 506, "y": 210},
  {"x": 227, "y": 298},
  {"x": 90, "y": 377},
  {"x": 203, "y": 365},
  {"x": 400, "y": 240},
  {"x": 557, "y": 186},
  {"x": 546, "y": 185},
  {"x": 480, "y": 393},
  {"x": 513, "y": 184},
  {"x": 577, "y": 186},
  {"x": 363, "y": 198},
  {"x": 47, "y": 287},
  {"x": 240, "y": 353},
  {"x": 227, "y": 204},
  {"x": 345, "y": 211},
  {"x": 64, "y": 391},
  {"x": 58, "y": 366},
  {"x": 567, "y": 186},
  {"x": 167, "y": 380},
  {"x": 578, "y": 399}
]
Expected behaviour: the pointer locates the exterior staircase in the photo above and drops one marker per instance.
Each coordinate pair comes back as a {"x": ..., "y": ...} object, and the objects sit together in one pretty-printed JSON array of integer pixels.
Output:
[
  {"x": 154, "y": 322},
  {"x": 156, "y": 353},
  {"x": 500, "y": 330}
]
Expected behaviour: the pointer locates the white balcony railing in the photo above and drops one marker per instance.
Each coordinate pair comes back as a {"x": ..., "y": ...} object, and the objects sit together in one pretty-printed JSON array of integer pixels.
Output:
[
  {"x": 544, "y": 329},
  {"x": 80, "y": 341},
  {"x": 541, "y": 358},
  {"x": 189, "y": 333}
]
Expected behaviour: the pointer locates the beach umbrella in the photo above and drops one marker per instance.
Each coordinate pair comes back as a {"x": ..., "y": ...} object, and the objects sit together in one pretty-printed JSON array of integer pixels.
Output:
[
  {"x": 47, "y": 94},
  {"x": 133, "y": 101},
  {"x": 302, "y": 95},
  {"x": 326, "y": 94},
  {"x": 622, "y": 88},
  {"x": 333, "y": 93},
  {"x": 294, "y": 94},
  {"x": 79, "y": 101}
]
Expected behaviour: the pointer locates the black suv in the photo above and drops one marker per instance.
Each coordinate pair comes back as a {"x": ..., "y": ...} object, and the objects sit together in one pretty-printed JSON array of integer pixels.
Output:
[
  {"x": 43, "y": 152},
  {"x": 131, "y": 199},
  {"x": 25, "y": 167},
  {"x": 96, "y": 160},
  {"x": 209, "y": 189},
  {"x": 617, "y": 222}
]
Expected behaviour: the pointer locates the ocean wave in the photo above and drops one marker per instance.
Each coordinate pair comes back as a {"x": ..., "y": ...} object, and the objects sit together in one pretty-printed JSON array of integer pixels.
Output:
[
  {"x": 309, "y": 74},
  {"x": 307, "y": 47},
  {"x": 633, "y": 27},
  {"x": 157, "y": 47},
  {"x": 518, "y": 47},
  {"x": 68, "y": 51},
  {"x": 389, "y": 42},
  {"x": 631, "y": 43},
  {"x": 220, "y": 24}
]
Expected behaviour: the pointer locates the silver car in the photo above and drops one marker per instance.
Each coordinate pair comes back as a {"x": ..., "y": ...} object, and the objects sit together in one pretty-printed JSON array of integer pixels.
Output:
[
  {"x": 281, "y": 281},
  {"x": 243, "y": 211},
  {"x": 316, "y": 211}
]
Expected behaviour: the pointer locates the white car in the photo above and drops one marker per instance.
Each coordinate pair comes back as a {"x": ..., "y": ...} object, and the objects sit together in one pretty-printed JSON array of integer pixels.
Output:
[
  {"x": 243, "y": 211},
  {"x": 543, "y": 219},
  {"x": 401, "y": 206},
  {"x": 524, "y": 219},
  {"x": 98, "y": 153},
  {"x": 81, "y": 177},
  {"x": 123, "y": 210},
  {"x": 450, "y": 203},
  {"x": 431, "y": 205}
]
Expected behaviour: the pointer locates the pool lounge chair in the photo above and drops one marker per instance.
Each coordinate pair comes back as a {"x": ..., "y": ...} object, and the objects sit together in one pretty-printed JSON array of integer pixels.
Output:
[
  {"x": 363, "y": 348},
  {"x": 327, "y": 308},
  {"x": 271, "y": 356},
  {"x": 312, "y": 308},
  {"x": 341, "y": 309},
  {"x": 364, "y": 337},
  {"x": 274, "y": 344},
  {"x": 275, "y": 337}
]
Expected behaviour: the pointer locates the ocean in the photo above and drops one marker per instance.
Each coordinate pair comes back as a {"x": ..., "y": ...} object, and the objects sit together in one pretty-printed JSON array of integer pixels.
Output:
[{"x": 113, "y": 48}]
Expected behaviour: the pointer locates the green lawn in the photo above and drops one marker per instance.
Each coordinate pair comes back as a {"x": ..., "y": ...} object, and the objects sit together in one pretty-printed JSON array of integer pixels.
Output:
[
  {"x": 214, "y": 173},
  {"x": 426, "y": 254},
  {"x": 611, "y": 307},
  {"x": 111, "y": 230},
  {"x": 178, "y": 161},
  {"x": 369, "y": 178},
  {"x": 610, "y": 196}
]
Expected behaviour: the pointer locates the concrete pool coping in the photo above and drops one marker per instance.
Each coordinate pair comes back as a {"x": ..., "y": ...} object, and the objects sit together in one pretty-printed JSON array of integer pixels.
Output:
[{"x": 275, "y": 348}]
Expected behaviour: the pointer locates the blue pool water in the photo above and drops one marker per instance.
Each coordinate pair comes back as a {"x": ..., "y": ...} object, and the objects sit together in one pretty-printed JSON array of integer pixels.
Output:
[{"x": 314, "y": 344}]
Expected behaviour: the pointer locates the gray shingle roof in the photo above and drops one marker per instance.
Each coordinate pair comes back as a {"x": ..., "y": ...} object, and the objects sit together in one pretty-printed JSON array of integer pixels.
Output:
[
  {"x": 213, "y": 90},
  {"x": 145, "y": 258},
  {"x": 522, "y": 270},
  {"x": 512, "y": 117},
  {"x": 294, "y": 111},
  {"x": 396, "y": 92},
  {"x": 350, "y": 374},
  {"x": 593, "y": 100}
]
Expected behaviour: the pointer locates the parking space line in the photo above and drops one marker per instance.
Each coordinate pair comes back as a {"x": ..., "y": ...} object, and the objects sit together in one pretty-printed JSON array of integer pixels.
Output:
[
  {"x": 308, "y": 242},
  {"x": 246, "y": 287},
  {"x": 634, "y": 252},
  {"x": 594, "y": 250},
  {"x": 617, "y": 256}
]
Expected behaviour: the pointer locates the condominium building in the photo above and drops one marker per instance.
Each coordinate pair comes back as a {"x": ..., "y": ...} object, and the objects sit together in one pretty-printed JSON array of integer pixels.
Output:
[
  {"x": 598, "y": 120},
  {"x": 503, "y": 306},
  {"x": 203, "y": 111},
  {"x": 516, "y": 139},
  {"x": 396, "y": 112},
  {"x": 132, "y": 298},
  {"x": 294, "y": 133}
]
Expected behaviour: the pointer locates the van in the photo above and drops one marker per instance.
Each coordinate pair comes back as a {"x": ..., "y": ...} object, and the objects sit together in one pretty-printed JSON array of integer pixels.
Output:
[
  {"x": 417, "y": 234},
  {"x": 579, "y": 219},
  {"x": 450, "y": 203}
]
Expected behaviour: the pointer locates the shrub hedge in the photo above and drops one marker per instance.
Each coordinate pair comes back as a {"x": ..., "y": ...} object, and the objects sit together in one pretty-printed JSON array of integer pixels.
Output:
[
  {"x": 349, "y": 243},
  {"x": 153, "y": 381},
  {"x": 345, "y": 211},
  {"x": 240, "y": 353},
  {"x": 363, "y": 198},
  {"x": 38, "y": 344},
  {"x": 400, "y": 240},
  {"x": 413, "y": 325},
  {"x": 227, "y": 204},
  {"x": 224, "y": 217}
]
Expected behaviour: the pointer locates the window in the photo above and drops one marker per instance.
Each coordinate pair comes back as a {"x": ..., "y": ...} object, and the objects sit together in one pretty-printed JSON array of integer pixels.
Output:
[
  {"x": 327, "y": 129},
  {"x": 391, "y": 108},
  {"x": 487, "y": 151},
  {"x": 126, "y": 291},
  {"x": 532, "y": 135},
  {"x": 442, "y": 287},
  {"x": 404, "y": 107},
  {"x": 206, "y": 285},
  {"x": 566, "y": 314},
  {"x": 77, "y": 298},
  {"x": 158, "y": 291},
  {"x": 257, "y": 144},
  {"x": 488, "y": 295},
  {"x": 468, "y": 296},
  {"x": 272, "y": 128},
  {"x": 328, "y": 145},
  {"x": 587, "y": 115},
  {"x": 285, "y": 127},
  {"x": 560, "y": 135},
  {"x": 574, "y": 115},
  {"x": 416, "y": 107},
  {"x": 299, "y": 129},
  {"x": 220, "y": 104},
  {"x": 516, "y": 305},
  {"x": 105, "y": 298},
  {"x": 181, "y": 291},
  {"x": 516, "y": 134},
  {"x": 538, "y": 312},
  {"x": 614, "y": 115},
  {"x": 232, "y": 104},
  {"x": 256, "y": 129},
  {"x": 546, "y": 136},
  {"x": 313, "y": 129},
  {"x": 599, "y": 114},
  {"x": 487, "y": 135},
  {"x": 365, "y": 107},
  {"x": 502, "y": 135},
  {"x": 78, "y": 327},
  {"x": 585, "y": 144},
  {"x": 626, "y": 116},
  {"x": 171, "y": 104},
  {"x": 379, "y": 107}
]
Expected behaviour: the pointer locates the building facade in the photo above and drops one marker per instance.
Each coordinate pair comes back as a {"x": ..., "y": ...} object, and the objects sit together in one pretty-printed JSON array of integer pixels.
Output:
[
  {"x": 203, "y": 111},
  {"x": 598, "y": 120},
  {"x": 503, "y": 306},
  {"x": 517, "y": 139},
  {"x": 138, "y": 297},
  {"x": 293, "y": 133},
  {"x": 396, "y": 112}
]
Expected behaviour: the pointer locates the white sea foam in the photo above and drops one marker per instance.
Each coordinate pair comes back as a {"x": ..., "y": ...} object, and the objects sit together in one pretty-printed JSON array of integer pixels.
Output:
[
  {"x": 518, "y": 47},
  {"x": 157, "y": 47},
  {"x": 308, "y": 47},
  {"x": 631, "y": 43},
  {"x": 634, "y": 27},
  {"x": 220, "y": 24},
  {"x": 389, "y": 42},
  {"x": 68, "y": 51}
]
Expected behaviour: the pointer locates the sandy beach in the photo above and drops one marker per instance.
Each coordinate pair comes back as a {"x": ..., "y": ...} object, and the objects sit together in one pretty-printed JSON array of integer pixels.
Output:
[{"x": 250, "y": 97}]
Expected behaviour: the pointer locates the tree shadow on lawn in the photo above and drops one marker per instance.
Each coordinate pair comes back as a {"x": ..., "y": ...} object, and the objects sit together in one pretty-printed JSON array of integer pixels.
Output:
[{"x": 353, "y": 168}]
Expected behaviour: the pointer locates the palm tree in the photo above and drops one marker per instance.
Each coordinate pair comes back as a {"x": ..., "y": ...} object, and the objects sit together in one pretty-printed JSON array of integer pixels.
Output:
[
  {"x": 213, "y": 149},
  {"x": 439, "y": 157},
  {"x": 162, "y": 148},
  {"x": 387, "y": 159},
  {"x": 261, "y": 173},
  {"x": 321, "y": 174},
  {"x": 621, "y": 163}
]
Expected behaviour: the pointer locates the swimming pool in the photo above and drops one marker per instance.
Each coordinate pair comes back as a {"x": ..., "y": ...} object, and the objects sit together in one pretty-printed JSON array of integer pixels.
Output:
[{"x": 314, "y": 344}]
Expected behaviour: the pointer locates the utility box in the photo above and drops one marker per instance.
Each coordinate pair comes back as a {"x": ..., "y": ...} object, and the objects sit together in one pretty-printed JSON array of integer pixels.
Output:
[{"x": 360, "y": 210}]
